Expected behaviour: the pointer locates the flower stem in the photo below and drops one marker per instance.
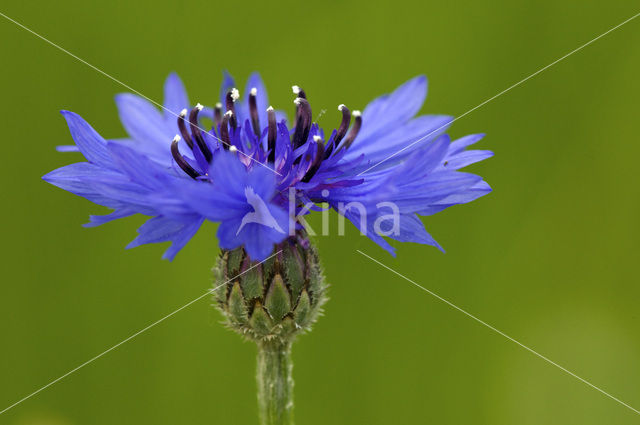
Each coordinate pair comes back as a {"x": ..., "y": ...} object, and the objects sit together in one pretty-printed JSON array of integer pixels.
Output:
[{"x": 275, "y": 383}]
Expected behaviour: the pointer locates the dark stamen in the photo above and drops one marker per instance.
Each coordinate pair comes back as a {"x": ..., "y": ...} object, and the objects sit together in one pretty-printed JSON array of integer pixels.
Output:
[
  {"x": 342, "y": 130},
  {"x": 317, "y": 160},
  {"x": 197, "y": 134},
  {"x": 354, "y": 130},
  {"x": 303, "y": 122},
  {"x": 182, "y": 163},
  {"x": 253, "y": 111},
  {"x": 182, "y": 126},
  {"x": 217, "y": 114},
  {"x": 224, "y": 130},
  {"x": 232, "y": 96},
  {"x": 272, "y": 134},
  {"x": 299, "y": 92}
]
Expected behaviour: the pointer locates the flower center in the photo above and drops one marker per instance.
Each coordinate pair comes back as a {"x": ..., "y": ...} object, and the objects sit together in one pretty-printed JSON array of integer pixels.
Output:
[{"x": 238, "y": 138}]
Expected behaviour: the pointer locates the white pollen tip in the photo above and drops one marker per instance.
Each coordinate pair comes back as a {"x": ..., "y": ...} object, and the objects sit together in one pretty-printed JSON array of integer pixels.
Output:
[
  {"x": 218, "y": 105},
  {"x": 270, "y": 108},
  {"x": 199, "y": 107},
  {"x": 295, "y": 89},
  {"x": 235, "y": 94},
  {"x": 254, "y": 91},
  {"x": 297, "y": 100},
  {"x": 176, "y": 138},
  {"x": 183, "y": 113},
  {"x": 233, "y": 149},
  {"x": 341, "y": 106},
  {"x": 317, "y": 139},
  {"x": 357, "y": 114},
  {"x": 229, "y": 113}
]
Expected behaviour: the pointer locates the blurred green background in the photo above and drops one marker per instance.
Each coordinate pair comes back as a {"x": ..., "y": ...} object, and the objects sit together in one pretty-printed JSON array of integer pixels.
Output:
[{"x": 550, "y": 257}]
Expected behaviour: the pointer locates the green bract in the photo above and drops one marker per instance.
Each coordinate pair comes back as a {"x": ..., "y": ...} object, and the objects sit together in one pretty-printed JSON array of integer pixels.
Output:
[{"x": 274, "y": 300}]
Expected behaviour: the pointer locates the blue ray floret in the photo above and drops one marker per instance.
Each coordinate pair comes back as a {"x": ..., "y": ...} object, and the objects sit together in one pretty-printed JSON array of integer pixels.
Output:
[{"x": 258, "y": 175}]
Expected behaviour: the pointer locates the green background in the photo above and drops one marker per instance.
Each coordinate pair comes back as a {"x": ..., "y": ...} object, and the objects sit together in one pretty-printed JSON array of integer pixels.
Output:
[{"x": 550, "y": 257}]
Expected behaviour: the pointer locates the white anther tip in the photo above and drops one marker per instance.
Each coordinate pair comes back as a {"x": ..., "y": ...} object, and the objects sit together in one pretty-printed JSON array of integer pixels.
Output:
[
  {"x": 176, "y": 138},
  {"x": 218, "y": 105},
  {"x": 254, "y": 91},
  {"x": 233, "y": 149},
  {"x": 229, "y": 113},
  {"x": 270, "y": 108},
  {"x": 183, "y": 113},
  {"x": 199, "y": 107},
  {"x": 295, "y": 89},
  {"x": 297, "y": 100},
  {"x": 341, "y": 107},
  {"x": 235, "y": 94},
  {"x": 357, "y": 114},
  {"x": 317, "y": 139}
]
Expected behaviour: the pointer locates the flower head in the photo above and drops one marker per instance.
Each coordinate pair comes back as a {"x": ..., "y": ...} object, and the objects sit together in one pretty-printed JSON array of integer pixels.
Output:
[{"x": 257, "y": 174}]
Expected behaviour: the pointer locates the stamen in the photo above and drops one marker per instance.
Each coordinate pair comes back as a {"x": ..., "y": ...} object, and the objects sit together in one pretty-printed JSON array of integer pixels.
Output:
[
  {"x": 233, "y": 149},
  {"x": 272, "y": 134},
  {"x": 232, "y": 96},
  {"x": 253, "y": 111},
  {"x": 217, "y": 114},
  {"x": 342, "y": 130},
  {"x": 317, "y": 160},
  {"x": 298, "y": 92},
  {"x": 303, "y": 122},
  {"x": 235, "y": 94},
  {"x": 224, "y": 130},
  {"x": 354, "y": 129},
  {"x": 183, "y": 128},
  {"x": 182, "y": 163},
  {"x": 197, "y": 134}
]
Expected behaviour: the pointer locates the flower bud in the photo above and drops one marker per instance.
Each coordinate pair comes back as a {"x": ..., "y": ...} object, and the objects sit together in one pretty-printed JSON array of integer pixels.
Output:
[{"x": 276, "y": 299}]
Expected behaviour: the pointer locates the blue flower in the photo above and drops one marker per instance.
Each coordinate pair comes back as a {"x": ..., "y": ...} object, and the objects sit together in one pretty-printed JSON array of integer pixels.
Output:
[{"x": 258, "y": 176}]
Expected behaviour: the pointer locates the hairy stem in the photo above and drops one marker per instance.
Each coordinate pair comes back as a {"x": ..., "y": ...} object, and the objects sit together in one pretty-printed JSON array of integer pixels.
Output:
[{"x": 275, "y": 383}]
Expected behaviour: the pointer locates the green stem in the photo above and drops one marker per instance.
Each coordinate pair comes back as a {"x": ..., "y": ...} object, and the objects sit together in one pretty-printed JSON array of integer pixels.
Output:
[{"x": 275, "y": 383}]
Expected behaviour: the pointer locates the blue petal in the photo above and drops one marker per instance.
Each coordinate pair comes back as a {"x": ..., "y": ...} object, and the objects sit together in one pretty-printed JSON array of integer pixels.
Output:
[
  {"x": 90, "y": 143},
  {"x": 400, "y": 142},
  {"x": 142, "y": 120},
  {"x": 98, "y": 220},
  {"x": 462, "y": 143},
  {"x": 465, "y": 158},
  {"x": 81, "y": 179},
  {"x": 412, "y": 230},
  {"x": 175, "y": 97},
  {"x": 162, "y": 229},
  {"x": 467, "y": 195},
  {"x": 67, "y": 148},
  {"x": 389, "y": 111},
  {"x": 258, "y": 239}
]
